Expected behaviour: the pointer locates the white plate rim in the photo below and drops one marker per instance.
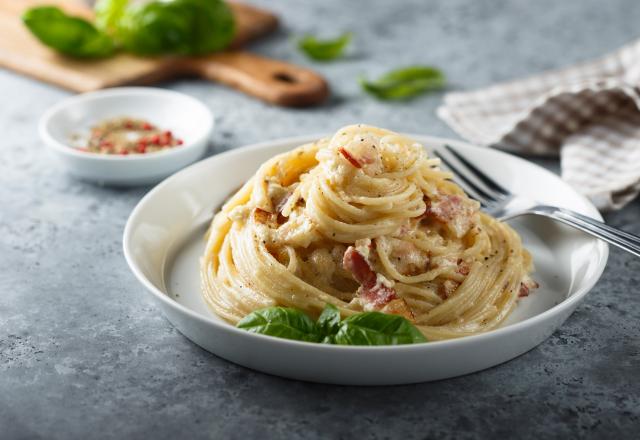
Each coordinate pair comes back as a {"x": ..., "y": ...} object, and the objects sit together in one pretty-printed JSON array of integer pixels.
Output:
[{"x": 566, "y": 304}]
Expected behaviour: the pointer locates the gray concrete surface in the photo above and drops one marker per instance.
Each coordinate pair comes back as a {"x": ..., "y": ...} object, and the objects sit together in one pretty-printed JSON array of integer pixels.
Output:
[{"x": 84, "y": 354}]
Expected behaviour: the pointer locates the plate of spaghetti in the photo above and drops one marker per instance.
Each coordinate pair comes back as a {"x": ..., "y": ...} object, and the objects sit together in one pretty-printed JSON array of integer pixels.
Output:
[{"x": 354, "y": 258}]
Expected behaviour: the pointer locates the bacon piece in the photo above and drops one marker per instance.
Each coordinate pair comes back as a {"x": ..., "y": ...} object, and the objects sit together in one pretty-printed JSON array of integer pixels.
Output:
[
  {"x": 524, "y": 290},
  {"x": 463, "y": 267},
  {"x": 452, "y": 210},
  {"x": 372, "y": 289},
  {"x": 363, "y": 153},
  {"x": 445, "y": 209},
  {"x": 352, "y": 160},
  {"x": 378, "y": 295},
  {"x": 526, "y": 286},
  {"x": 262, "y": 216},
  {"x": 354, "y": 262}
]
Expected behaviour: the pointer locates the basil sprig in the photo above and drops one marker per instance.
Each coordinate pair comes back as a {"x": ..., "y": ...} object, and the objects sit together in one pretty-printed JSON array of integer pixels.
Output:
[
  {"x": 69, "y": 35},
  {"x": 185, "y": 27},
  {"x": 368, "y": 328},
  {"x": 405, "y": 83},
  {"x": 324, "y": 50}
]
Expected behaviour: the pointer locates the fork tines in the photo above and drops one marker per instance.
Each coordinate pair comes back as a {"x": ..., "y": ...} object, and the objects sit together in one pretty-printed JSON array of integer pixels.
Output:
[{"x": 475, "y": 182}]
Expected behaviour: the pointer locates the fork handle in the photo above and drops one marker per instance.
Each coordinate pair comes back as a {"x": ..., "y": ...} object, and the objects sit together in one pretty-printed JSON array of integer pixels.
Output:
[{"x": 623, "y": 240}]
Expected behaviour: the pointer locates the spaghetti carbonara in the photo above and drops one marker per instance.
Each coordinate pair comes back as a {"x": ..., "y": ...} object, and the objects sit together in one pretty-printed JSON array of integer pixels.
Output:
[{"x": 365, "y": 221}]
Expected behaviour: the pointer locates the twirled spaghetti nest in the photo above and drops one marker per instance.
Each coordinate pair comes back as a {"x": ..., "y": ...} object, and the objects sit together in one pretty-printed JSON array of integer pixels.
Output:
[{"x": 364, "y": 221}]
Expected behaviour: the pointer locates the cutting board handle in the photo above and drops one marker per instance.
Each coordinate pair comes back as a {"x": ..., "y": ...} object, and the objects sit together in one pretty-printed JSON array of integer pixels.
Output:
[{"x": 273, "y": 81}]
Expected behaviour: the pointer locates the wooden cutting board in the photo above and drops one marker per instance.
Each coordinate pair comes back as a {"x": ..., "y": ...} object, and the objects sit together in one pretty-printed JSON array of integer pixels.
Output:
[{"x": 273, "y": 81}]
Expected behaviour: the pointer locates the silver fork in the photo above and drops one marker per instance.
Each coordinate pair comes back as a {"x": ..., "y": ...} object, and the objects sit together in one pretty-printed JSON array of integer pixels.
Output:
[{"x": 497, "y": 201}]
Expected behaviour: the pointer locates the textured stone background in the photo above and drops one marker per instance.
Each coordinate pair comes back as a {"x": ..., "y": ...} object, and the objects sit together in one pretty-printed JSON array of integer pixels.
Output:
[{"x": 84, "y": 354}]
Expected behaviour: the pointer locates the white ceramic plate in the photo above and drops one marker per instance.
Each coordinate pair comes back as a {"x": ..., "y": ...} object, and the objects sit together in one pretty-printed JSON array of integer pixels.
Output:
[
  {"x": 188, "y": 118},
  {"x": 163, "y": 241}
]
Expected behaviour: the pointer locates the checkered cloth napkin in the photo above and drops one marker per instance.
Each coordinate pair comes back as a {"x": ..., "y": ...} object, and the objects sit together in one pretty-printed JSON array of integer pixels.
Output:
[{"x": 589, "y": 113}]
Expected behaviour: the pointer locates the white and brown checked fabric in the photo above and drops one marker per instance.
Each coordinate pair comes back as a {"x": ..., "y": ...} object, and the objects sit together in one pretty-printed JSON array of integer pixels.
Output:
[{"x": 589, "y": 114}]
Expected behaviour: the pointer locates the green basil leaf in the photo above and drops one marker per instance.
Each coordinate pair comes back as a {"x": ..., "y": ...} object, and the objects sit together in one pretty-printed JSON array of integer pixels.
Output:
[
  {"x": 324, "y": 50},
  {"x": 72, "y": 36},
  {"x": 281, "y": 322},
  {"x": 108, "y": 13},
  {"x": 186, "y": 27},
  {"x": 405, "y": 83},
  {"x": 376, "y": 328},
  {"x": 329, "y": 320}
]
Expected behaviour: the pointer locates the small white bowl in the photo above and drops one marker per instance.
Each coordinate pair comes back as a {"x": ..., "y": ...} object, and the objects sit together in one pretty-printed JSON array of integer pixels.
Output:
[{"x": 188, "y": 118}]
